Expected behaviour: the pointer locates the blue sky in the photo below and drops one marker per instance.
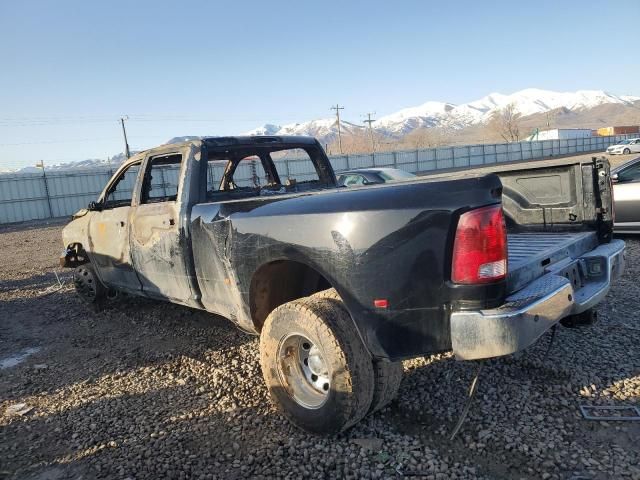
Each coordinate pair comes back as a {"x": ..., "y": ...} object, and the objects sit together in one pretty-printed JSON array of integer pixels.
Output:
[{"x": 71, "y": 68}]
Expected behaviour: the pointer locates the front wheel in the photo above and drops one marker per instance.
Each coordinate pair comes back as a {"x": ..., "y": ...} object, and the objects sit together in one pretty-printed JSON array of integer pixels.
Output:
[
  {"x": 317, "y": 370},
  {"x": 626, "y": 151},
  {"x": 88, "y": 286}
]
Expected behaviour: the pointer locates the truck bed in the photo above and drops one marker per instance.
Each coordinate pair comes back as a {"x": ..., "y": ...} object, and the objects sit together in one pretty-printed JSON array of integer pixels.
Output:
[{"x": 532, "y": 252}]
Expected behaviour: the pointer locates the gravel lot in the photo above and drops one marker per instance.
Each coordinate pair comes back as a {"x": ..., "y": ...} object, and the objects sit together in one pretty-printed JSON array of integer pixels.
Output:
[{"x": 151, "y": 390}]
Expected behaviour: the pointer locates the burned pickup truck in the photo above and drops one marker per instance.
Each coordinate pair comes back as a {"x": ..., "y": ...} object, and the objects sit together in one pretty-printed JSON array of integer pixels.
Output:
[{"x": 343, "y": 283}]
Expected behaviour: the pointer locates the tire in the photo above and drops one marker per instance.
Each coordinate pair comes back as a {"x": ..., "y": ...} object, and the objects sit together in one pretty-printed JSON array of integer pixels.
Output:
[
  {"x": 89, "y": 287},
  {"x": 317, "y": 370},
  {"x": 626, "y": 151},
  {"x": 388, "y": 378},
  {"x": 388, "y": 375}
]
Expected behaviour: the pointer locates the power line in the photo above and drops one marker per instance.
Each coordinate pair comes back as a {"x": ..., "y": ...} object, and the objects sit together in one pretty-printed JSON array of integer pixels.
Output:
[
  {"x": 48, "y": 142},
  {"x": 337, "y": 108}
]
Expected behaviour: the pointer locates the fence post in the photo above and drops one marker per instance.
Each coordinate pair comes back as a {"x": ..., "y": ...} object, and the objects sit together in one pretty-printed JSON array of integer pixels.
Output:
[
  {"x": 347, "y": 158},
  {"x": 210, "y": 175},
  {"x": 46, "y": 188},
  {"x": 395, "y": 160},
  {"x": 521, "y": 157},
  {"x": 164, "y": 188}
]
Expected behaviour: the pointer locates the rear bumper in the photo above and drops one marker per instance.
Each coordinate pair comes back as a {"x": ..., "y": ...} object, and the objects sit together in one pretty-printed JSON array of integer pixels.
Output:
[{"x": 566, "y": 289}]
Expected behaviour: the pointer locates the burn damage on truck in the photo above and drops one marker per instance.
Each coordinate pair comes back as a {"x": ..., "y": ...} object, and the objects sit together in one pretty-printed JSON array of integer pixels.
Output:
[{"x": 220, "y": 224}]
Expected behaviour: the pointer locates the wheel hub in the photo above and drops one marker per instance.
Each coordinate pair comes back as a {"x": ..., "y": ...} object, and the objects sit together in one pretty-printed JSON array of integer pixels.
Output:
[{"x": 303, "y": 371}]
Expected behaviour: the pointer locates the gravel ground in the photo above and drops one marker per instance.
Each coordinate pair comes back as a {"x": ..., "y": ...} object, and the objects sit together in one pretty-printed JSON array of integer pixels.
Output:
[{"x": 151, "y": 390}]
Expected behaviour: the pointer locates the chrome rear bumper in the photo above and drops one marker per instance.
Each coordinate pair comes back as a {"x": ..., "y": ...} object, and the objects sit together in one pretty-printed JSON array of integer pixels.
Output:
[{"x": 568, "y": 288}]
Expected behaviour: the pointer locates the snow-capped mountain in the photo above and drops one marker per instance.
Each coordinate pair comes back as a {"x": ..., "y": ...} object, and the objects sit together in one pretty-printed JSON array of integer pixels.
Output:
[
  {"x": 529, "y": 103},
  {"x": 325, "y": 129},
  {"x": 442, "y": 114}
]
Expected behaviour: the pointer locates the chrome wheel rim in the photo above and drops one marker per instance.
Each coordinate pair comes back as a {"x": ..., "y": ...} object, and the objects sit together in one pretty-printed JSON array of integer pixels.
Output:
[{"x": 303, "y": 371}]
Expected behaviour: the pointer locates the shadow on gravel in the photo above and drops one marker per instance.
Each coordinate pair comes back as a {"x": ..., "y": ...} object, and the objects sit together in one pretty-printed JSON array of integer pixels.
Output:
[
  {"x": 77, "y": 344},
  {"x": 37, "y": 282},
  {"x": 152, "y": 434}
]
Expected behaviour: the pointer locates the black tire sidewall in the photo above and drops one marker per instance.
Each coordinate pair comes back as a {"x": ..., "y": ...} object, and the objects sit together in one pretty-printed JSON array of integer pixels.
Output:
[
  {"x": 100, "y": 291},
  {"x": 336, "y": 412}
]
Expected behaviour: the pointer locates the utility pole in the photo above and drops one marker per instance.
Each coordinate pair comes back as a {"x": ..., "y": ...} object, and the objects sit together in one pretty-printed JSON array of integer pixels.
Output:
[
  {"x": 124, "y": 132},
  {"x": 337, "y": 108},
  {"x": 370, "y": 121},
  {"x": 46, "y": 187}
]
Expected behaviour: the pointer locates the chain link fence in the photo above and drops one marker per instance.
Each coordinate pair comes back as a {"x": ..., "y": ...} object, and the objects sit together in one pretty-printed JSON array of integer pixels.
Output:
[{"x": 54, "y": 193}]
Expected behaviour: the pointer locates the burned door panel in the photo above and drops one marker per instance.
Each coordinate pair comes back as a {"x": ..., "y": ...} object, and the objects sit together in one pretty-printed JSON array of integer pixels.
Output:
[
  {"x": 158, "y": 252},
  {"x": 109, "y": 248},
  {"x": 211, "y": 234}
]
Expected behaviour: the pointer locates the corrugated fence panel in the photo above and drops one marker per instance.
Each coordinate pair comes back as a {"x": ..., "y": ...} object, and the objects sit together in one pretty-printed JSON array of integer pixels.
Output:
[
  {"x": 444, "y": 158},
  {"x": 339, "y": 164},
  {"x": 383, "y": 159},
  {"x": 426, "y": 160},
  {"x": 407, "y": 160},
  {"x": 28, "y": 196}
]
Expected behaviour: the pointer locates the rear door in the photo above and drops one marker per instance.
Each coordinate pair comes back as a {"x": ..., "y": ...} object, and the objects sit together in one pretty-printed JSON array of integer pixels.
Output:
[
  {"x": 626, "y": 192},
  {"x": 109, "y": 231},
  {"x": 158, "y": 244}
]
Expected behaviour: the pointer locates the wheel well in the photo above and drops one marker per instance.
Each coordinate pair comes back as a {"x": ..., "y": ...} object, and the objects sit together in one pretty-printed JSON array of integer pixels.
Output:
[
  {"x": 75, "y": 256},
  {"x": 280, "y": 282}
]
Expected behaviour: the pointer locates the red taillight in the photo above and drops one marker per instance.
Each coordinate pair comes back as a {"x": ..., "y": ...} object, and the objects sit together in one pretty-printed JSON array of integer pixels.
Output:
[{"x": 480, "y": 247}]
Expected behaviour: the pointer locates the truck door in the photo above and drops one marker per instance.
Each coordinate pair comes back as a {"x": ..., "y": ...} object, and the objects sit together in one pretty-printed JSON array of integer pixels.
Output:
[
  {"x": 158, "y": 244},
  {"x": 109, "y": 232},
  {"x": 626, "y": 192}
]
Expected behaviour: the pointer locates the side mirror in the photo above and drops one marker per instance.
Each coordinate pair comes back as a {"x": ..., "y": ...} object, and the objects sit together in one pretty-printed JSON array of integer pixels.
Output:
[
  {"x": 94, "y": 206},
  {"x": 614, "y": 177}
]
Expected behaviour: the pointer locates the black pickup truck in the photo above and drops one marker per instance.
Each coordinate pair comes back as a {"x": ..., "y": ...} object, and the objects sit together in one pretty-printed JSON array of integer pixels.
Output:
[{"x": 343, "y": 283}]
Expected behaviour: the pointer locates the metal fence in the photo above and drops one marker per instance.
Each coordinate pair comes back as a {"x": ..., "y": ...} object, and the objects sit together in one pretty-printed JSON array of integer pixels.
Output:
[{"x": 51, "y": 194}]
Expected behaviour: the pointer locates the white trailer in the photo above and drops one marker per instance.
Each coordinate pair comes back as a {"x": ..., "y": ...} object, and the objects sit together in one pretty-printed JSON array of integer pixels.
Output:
[{"x": 560, "y": 134}]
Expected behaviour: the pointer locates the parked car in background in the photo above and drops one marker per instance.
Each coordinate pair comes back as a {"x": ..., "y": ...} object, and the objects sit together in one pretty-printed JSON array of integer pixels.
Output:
[
  {"x": 626, "y": 192},
  {"x": 369, "y": 176},
  {"x": 625, "y": 147}
]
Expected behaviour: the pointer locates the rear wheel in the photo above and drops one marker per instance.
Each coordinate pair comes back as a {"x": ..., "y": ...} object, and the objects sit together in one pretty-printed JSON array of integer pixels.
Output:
[
  {"x": 316, "y": 368},
  {"x": 388, "y": 378},
  {"x": 388, "y": 375},
  {"x": 88, "y": 286}
]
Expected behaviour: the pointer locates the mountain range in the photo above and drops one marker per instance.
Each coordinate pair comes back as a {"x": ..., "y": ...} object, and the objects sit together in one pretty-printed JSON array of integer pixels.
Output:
[
  {"x": 583, "y": 108},
  {"x": 528, "y": 102}
]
